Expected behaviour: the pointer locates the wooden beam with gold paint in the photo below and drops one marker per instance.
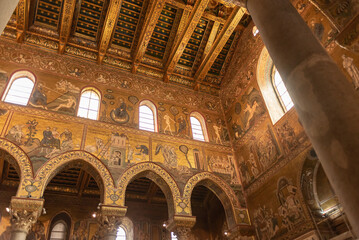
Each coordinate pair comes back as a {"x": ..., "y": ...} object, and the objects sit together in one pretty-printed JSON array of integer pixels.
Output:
[
  {"x": 184, "y": 37},
  {"x": 108, "y": 28},
  {"x": 152, "y": 15},
  {"x": 66, "y": 23},
  {"x": 218, "y": 45},
  {"x": 211, "y": 39},
  {"x": 183, "y": 22},
  {"x": 22, "y": 19},
  {"x": 214, "y": 18},
  {"x": 207, "y": 15}
]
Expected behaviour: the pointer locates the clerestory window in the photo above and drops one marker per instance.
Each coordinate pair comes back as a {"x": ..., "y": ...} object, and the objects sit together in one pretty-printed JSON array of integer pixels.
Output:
[
  {"x": 19, "y": 88},
  {"x": 198, "y": 127},
  {"x": 281, "y": 91},
  {"x": 89, "y": 104},
  {"x": 147, "y": 116}
]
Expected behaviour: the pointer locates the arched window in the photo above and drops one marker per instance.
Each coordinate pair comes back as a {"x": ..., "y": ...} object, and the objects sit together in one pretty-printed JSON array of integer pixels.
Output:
[
  {"x": 60, "y": 227},
  {"x": 121, "y": 234},
  {"x": 281, "y": 90},
  {"x": 59, "y": 231},
  {"x": 19, "y": 88},
  {"x": 147, "y": 116},
  {"x": 273, "y": 90},
  {"x": 89, "y": 104},
  {"x": 198, "y": 126}
]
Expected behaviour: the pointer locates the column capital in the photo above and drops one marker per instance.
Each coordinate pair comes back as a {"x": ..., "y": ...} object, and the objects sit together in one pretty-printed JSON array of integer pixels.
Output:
[
  {"x": 24, "y": 213},
  {"x": 181, "y": 226},
  {"x": 110, "y": 218}
]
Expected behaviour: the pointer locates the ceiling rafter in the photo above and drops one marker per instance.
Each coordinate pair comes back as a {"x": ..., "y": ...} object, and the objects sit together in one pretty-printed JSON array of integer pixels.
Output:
[
  {"x": 183, "y": 22},
  {"x": 108, "y": 28},
  {"x": 83, "y": 182},
  {"x": 22, "y": 19},
  {"x": 185, "y": 35},
  {"x": 207, "y": 15},
  {"x": 211, "y": 38},
  {"x": 66, "y": 23},
  {"x": 219, "y": 43},
  {"x": 152, "y": 15}
]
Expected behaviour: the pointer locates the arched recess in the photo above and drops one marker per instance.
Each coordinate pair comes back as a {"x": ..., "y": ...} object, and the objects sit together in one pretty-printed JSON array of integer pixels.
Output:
[
  {"x": 264, "y": 78},
  {"x": 64, "y": 218},
  {"x": 22, "y": 164},
  {"x": 159, "y": 176},
  {"x": 234, "y": 213},
  {"x": 92, "y": 164},
  {"x": 323, "y": 204},
  {"x": 316, "y": 188}
]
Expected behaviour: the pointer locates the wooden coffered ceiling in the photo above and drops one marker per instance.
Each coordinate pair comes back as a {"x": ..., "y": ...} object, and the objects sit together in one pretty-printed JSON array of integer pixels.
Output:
[{"x": 186, "y": 42}]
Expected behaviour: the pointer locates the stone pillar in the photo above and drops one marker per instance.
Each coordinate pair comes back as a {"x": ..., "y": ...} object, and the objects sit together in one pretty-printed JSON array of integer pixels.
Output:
[
  {"x": 110, "y": 218},
  {"x": 24, "y": 213},
  {"x": 7, "y": 7},
  {"x": 181, "y": 226},
  {"x": 325, "y": 101}
]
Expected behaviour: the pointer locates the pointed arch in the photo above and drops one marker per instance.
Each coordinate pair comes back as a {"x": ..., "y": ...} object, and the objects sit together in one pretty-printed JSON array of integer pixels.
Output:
[
  {"x": 62, "y": 218},
  {"x": 21, "y": 159},
  {"x": 93, "y": 164},
  {"x": 235, "y": 214},
  {"x": 159, "y": 176},
  {"x": 23, "y": 164}
]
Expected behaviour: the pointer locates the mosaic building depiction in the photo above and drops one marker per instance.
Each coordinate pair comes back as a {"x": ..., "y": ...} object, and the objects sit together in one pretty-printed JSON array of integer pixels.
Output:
[{"x": 179, "y": 119}]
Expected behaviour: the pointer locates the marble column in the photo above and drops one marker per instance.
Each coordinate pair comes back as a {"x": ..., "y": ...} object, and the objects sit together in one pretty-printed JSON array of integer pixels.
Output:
[
  {"x": 181, "y": 226},
  {"x": 24, "y": 213},
  {"x": 7, "y": 7},
  {"x": 326, "y": 103},
  {"x": 110, "y": 218}
]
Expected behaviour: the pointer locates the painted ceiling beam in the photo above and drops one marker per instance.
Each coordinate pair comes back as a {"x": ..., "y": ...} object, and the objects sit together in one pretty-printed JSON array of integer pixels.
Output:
[
  {"x": 218, "y": 45},
  {"x": 108, "y": 28},
  {"x": 184, "y": 37},
  {"x": 22, "y": 19},
  {"x": 152, "y": 15},
  {"x": 66, "y": 23},
  {"x": 183, "y": 22},
  {"x": 207, "y": 15},
  {"x": 211, "y": 39}
]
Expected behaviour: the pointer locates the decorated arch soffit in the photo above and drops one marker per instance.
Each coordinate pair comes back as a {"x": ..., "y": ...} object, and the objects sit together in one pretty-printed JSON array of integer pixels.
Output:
[
  {"x": 136, "y": 170},
  {"x": 235, "y": 214},
  {"x": 57, "y": 164},
  {"x": 21, "y": 161}
]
